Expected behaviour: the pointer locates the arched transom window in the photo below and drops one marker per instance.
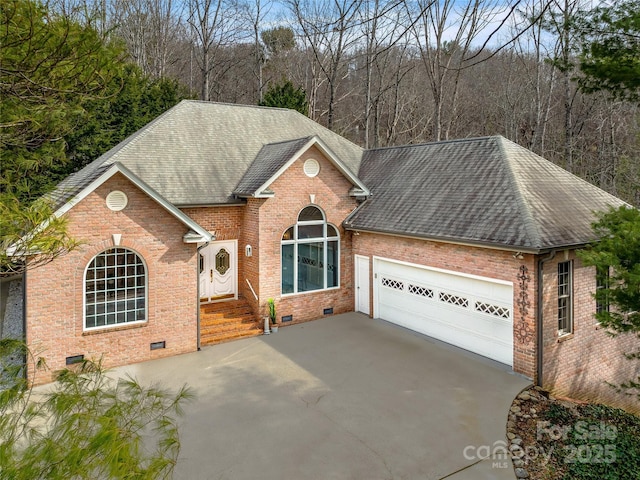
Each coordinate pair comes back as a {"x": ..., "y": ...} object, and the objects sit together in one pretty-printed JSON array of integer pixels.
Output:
[
  {"x": 310, "y": 254},
  {"x": 115, "y": 289}
]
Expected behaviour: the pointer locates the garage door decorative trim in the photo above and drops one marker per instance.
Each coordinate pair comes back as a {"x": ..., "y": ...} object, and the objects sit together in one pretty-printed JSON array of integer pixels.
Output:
[
  {"x": 523, "y": 332},
  {"x": 473, "y": 312}
]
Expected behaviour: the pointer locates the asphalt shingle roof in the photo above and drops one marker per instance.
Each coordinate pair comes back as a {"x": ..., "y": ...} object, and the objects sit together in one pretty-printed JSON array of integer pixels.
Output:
[
  {"x": 75, "y": 183},
  {"x": 269, "y": 160},
  {"x": 196, "y": 153},
  {"x": 487, "y": 191}
]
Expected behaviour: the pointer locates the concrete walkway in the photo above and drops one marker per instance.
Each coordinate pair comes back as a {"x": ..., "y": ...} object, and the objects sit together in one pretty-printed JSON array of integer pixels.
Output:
[{"x": 343, "y": 397}]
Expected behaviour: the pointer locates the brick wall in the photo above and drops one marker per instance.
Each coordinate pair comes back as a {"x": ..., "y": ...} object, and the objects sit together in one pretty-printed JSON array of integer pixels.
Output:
[
  {"x": 261, "y": 224},
  {"x": 230, "y": 223},
  {"x": 579, "y": 364},
  {"x": 251, "y": 265},
  {"x": 55, "y": 314},
  {"x": 292, "y": 193},
  {"x": 497, "y": 264}
]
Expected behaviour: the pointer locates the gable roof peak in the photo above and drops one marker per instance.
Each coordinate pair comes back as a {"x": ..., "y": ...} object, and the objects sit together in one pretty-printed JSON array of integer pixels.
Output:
[{"x": 275, "y": 158}]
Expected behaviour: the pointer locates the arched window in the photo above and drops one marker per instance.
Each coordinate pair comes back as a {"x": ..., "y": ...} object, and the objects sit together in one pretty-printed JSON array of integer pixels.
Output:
[
  {"x": 310, "y": 254},
  {"x": 115, "y": 289}
]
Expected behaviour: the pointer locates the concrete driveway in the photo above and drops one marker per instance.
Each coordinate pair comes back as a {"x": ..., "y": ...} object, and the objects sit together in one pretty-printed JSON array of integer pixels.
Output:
[{"x": 344, "y": 397}]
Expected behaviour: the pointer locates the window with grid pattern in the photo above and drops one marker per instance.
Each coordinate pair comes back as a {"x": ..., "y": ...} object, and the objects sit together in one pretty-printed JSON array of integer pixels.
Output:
[
  {"x": 310, "y": 253},
  {"x": 115, "y": 289},
  {"x": 602, "y": 282},
  {"x": 565, "y": 298}
]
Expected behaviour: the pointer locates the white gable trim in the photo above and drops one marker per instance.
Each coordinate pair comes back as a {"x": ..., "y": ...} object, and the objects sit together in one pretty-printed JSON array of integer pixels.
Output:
[
  {"x": 361, "y": 190},
  {"x": 201, "y": 235}
]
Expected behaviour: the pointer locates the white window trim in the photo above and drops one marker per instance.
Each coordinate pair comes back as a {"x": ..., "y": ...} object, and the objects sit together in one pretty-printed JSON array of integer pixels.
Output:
[
  {"x": 569, "y": 296},
  {"x": 324, "y": 240},
  {"x": 605, "y": 307},
  {"x": 84, "y": 295}
]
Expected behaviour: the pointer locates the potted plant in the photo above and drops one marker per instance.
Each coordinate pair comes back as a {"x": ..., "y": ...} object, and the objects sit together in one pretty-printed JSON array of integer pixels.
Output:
[{"x": 271, "y": 305}]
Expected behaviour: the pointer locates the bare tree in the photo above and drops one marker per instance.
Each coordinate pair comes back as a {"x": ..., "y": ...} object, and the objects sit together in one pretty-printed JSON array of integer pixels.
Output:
[
  {"x": 558, "y": 22},
  {"x": 215, "y": 25},
  {"x": 384, "y": 26},
  {"x": 445, "y": 33},
  {"x": 328, "y": 30},
  {"x": 532, "y": 79},
  {"x": 255, "y": 12}
]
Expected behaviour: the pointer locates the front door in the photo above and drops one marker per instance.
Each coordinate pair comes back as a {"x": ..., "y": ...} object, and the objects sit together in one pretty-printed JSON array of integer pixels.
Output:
[{"x": 219, "y": 271}]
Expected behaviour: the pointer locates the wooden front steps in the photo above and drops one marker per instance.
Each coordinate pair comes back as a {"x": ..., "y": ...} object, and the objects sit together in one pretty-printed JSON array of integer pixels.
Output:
[{"x": 225, "y": 321}]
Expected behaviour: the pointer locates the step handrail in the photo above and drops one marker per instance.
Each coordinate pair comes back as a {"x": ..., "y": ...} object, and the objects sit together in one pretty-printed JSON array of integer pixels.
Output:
[{"x": 251, "y": 288}]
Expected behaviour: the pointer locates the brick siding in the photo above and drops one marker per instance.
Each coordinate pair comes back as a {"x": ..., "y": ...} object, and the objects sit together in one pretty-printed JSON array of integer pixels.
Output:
[
  {"x": 292, "y": 193},
  {"x": 55, "y": 314},
  {"x": 579, "y": 364},
  {"x": 496, "y": 264}
]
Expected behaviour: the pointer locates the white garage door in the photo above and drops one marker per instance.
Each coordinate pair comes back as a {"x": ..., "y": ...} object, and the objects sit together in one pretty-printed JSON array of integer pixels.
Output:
[{"x": 471, "y": 312}]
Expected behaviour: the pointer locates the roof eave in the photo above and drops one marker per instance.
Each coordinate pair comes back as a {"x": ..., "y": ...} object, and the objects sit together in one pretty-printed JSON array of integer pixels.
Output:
[
  {"x": 474, "y": 243},
  {"x": 207, "y": 205},
  {"x": 119, "y": 168},
  {"x": 457, "y": 241},
  {"x": 326, "y": 151},
  {"x": 194, "y": 237}
]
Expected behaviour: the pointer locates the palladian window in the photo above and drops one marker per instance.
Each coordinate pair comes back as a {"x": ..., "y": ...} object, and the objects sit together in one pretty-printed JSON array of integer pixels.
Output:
[
  {"x": 115, "y": 289},
  {"x": 310, "y": 254}
]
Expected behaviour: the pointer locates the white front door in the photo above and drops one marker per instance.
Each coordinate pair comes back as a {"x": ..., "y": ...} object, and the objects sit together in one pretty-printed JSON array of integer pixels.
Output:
[
  {"x": 362, "y": 284},
  {"x": 219, "y": 271}
]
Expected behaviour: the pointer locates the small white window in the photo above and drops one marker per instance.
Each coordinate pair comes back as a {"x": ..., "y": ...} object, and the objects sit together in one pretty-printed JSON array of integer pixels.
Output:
[
  {"x": 602, "y": 285},
  {"x": 565, "y": 298},
  {"x": 115, "y": 289}
]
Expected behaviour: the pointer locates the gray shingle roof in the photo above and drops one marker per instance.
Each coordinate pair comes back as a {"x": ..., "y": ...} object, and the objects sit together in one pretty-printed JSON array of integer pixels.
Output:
[
  {"x": 269, "y": 160},
  {"x": 75, "y": 183},
  {"x": 197, "y": 152},
  {"x": 486, "y": 191}
]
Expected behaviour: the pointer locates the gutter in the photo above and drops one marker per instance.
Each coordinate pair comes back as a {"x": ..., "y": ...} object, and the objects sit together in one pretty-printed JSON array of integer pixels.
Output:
[
  {"x": 204, "y": 245},
  {"x": 540, "y": 317},
  {"x": 450, "y": 240},
  {"x": 24, "y": 320}
]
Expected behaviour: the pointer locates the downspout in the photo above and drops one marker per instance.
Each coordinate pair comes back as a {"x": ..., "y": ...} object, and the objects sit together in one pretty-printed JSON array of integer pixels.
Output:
[
  {"x": 24, "y": 317},
  {"x": 204, "y": 245},
  {"x": 540, "y": 317}
]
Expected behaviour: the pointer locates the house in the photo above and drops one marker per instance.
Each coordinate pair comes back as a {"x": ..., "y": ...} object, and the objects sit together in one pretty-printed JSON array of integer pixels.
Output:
[{"x": 192, "y": 223}]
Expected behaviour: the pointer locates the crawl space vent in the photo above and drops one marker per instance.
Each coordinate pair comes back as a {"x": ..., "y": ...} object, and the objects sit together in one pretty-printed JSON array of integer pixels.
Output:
[{"x": 74, "y": 359}]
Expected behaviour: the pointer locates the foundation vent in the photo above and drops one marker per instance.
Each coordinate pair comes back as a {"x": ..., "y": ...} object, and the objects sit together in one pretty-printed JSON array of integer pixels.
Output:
[
  {"x": 158, "y": 345},
  {"x": 74, "y": 359}
]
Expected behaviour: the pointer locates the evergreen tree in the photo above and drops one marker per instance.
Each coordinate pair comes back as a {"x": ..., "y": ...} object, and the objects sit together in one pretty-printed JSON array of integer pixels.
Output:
[
  {"x": 86, "y": 426},
  {"x": 285, "y": 95},
  {"x": 610, "y": 58},
  {"x": 66, "y": 97},
  {"x": 50, "y": 66},
  {"x": 616, "y": 257}
]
